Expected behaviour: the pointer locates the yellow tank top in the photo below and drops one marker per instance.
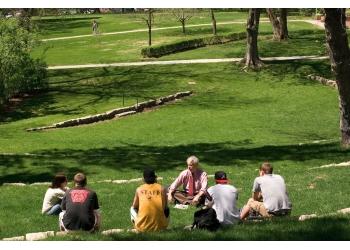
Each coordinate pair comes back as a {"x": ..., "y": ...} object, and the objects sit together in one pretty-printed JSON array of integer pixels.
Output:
[{"x": 150, "y": 216}]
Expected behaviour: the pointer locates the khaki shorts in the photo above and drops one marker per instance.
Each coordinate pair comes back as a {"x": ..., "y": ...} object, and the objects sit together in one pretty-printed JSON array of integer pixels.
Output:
[{"x": 258, "y": 207}]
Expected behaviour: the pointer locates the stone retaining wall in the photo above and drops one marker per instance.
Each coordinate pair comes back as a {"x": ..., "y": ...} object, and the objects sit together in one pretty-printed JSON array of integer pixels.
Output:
[
  {"x": 114, "y": 113},
  {"x": 323, "y": 80}
]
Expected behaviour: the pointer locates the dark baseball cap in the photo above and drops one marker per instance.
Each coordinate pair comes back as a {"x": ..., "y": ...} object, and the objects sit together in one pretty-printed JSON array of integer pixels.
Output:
[
  {"x": 220, "y": 177},
  {"x": 149, "y": 175}
]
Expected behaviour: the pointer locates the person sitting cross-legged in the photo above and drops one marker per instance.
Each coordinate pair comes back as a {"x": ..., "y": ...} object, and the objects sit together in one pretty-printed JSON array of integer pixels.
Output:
[
  {"x": 54, "y": 195},
  {"x": 194, "y": 182},
  {"x": 270, "y": 197},
  {"x": 223, "y": 197},
  {"x": 149, "y": 210},
  {"x": 80, "y": 208}
]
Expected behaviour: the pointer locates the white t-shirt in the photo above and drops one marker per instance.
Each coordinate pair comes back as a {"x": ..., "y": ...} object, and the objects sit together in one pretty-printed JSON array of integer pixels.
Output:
[
  {"x": 225, "y": 198},
  {"x": 274, "y": 192},
  {"x": 52, "y": 197}
]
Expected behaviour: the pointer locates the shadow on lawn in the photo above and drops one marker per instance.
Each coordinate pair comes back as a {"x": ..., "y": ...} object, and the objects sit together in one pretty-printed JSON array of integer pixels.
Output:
[
  {"x": 336, "y": 228},
  {"x": 63, "y": 25},
  {"x": 161, "y": 158},
  {"x": 94, "y": 86}
]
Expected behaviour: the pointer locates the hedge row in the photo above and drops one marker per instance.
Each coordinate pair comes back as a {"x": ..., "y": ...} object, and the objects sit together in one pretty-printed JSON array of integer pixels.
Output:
[{"x": 166, "y": 49}]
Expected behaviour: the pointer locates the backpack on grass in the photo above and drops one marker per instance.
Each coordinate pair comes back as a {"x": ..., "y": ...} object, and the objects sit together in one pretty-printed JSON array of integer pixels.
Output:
[{"x": 206, "y": 219}]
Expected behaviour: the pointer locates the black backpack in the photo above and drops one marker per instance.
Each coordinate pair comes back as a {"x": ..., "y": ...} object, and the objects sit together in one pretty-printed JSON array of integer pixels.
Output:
[{"x": 206, "y": 219}]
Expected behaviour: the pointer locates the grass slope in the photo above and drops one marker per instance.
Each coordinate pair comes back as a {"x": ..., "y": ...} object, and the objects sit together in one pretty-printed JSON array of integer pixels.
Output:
[
  {"x": 234, "y": 121},
  {"x": 306, "y": 40}
]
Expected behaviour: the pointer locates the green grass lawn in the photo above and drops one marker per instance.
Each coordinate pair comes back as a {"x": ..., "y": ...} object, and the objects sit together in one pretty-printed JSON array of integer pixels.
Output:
[
  {"x": 58, "y": 26},
  {"x": 306, "y": 39},
  {"x": 234, "y": 122}
]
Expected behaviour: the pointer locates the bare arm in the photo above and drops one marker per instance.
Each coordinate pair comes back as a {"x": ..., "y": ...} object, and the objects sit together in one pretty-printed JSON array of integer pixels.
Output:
[
  {"x": 135, "y": 203},
  {"x": 164, "y": 198}
]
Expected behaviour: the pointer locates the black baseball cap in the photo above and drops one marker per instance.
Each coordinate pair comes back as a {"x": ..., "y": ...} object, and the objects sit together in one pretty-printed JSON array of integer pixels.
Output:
[
  {"x": 220, "y": 177},
  {"x": 149, "y": 175}
]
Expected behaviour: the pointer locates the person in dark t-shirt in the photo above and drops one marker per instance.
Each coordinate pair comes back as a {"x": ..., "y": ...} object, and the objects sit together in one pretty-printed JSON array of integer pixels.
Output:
[{"x": 79, "y": 207}]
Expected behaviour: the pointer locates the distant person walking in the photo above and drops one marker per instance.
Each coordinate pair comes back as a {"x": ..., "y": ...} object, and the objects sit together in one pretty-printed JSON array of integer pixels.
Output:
[
  {"x": 80, "y": 208},
  {"x": 94, "y": 27},
  {"x": 54, "y": 195},
  {"x": 194, "y": 182},
  {"x": 270, "y": 197},
  {"x": 149, "y": 211}
]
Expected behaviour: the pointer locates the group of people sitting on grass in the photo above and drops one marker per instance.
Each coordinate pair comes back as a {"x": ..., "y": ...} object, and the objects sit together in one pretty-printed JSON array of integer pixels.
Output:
[{"x": 78, "y": 207}]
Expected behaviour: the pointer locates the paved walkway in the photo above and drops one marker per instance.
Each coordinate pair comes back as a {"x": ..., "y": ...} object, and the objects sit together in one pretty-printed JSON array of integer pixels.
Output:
[
  {"x": 155, "y": 29},
  {"x": 316, "y": 22},
  {"x": 190, "y": 61}
]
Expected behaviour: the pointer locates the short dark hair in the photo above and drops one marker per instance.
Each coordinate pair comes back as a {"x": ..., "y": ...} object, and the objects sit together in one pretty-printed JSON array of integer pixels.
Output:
[
  {"x": 149, "y": 176},
  {"x": 80, "y": 179},
  {"x": 58, "y": 180},
  {"x": 266, "y": 167}
]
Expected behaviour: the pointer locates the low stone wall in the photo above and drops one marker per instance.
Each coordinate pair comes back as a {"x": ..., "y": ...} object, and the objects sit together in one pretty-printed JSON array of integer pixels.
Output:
[
  {"x": 323, "y": 80},
  {"x": 114, "y": 113}
]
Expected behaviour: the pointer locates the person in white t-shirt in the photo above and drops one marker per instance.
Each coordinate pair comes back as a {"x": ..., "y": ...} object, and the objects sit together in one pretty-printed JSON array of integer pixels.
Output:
[
  {"x": 270, "y": 196},
  {"x": 54, "y": 195},
  {"x": 223, "y": 200}
]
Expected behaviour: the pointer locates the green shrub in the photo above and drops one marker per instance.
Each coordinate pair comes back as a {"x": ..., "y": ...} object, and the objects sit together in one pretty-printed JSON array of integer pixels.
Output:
[
  {"x": 19, "y": 72},
  {"x": 166, "y": 49}
]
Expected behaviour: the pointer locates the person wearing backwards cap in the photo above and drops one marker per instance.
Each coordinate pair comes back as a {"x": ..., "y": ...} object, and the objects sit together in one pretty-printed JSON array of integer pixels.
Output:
[
  {"x": 223, "y": 200},
  {"x": 149, "y": 211}
]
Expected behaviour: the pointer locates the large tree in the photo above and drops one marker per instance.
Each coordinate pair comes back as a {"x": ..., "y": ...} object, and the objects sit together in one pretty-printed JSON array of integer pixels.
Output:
[
  {"x": 283, "y": 22},
  {"x": 279, "y": 24},
  {"x": 251, "y": 59},
  {"x": 339, "y": 54}
]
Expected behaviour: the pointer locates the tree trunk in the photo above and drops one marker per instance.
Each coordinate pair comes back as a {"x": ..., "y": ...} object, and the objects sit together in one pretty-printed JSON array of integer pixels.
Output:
[
  {"x": 149, "y": 23},
  {"x": 275, "y": 24},
  {"x": 183, "y": 26},
  {"x": 213, "y": 20},
  {"x": 149, "y": 34},
  {"x": 339, "y": 53},
  {"x": 283, "y": 24},
  {"x": 251, "y": 58}
]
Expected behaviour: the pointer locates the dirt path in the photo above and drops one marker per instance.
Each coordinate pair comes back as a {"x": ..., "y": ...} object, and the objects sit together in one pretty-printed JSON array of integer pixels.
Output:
[{"x": 190, "y": 61}]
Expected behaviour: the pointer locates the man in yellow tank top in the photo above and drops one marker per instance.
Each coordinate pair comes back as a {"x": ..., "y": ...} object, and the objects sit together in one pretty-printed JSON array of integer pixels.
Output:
[{"x": 149, "y": 211}]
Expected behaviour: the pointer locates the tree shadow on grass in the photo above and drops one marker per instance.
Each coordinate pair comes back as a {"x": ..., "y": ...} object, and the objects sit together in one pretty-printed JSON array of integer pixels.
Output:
[
  {"x": 301, "y": 69},
  {"x": 336, "y": 228},
  {"x": 98, "y": 85},
  {"x": 131, "y": 157},
  {"x": 63, "y": 25}
]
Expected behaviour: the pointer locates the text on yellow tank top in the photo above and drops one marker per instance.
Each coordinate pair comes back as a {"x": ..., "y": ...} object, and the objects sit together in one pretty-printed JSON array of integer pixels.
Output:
[{"x": 150, "y": 216}]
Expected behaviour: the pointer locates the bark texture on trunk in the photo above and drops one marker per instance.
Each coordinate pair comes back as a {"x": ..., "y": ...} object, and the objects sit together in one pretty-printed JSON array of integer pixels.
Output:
[
  {"x": 213, "y": 21},
  {"x": 149, "y": 24},
  {"x": 251, "y": 59},
  {"x": 339, "y": 53},
  {"x": 276, "y": 27},
  {"x": 183, "y": 26},
  {"x": 283, "y": 24}
]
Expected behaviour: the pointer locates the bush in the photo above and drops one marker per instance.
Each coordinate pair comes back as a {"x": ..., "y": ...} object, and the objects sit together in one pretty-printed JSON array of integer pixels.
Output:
[
  {"x": 19, "y": 72},
  {"x": 166, "y": 49}
]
